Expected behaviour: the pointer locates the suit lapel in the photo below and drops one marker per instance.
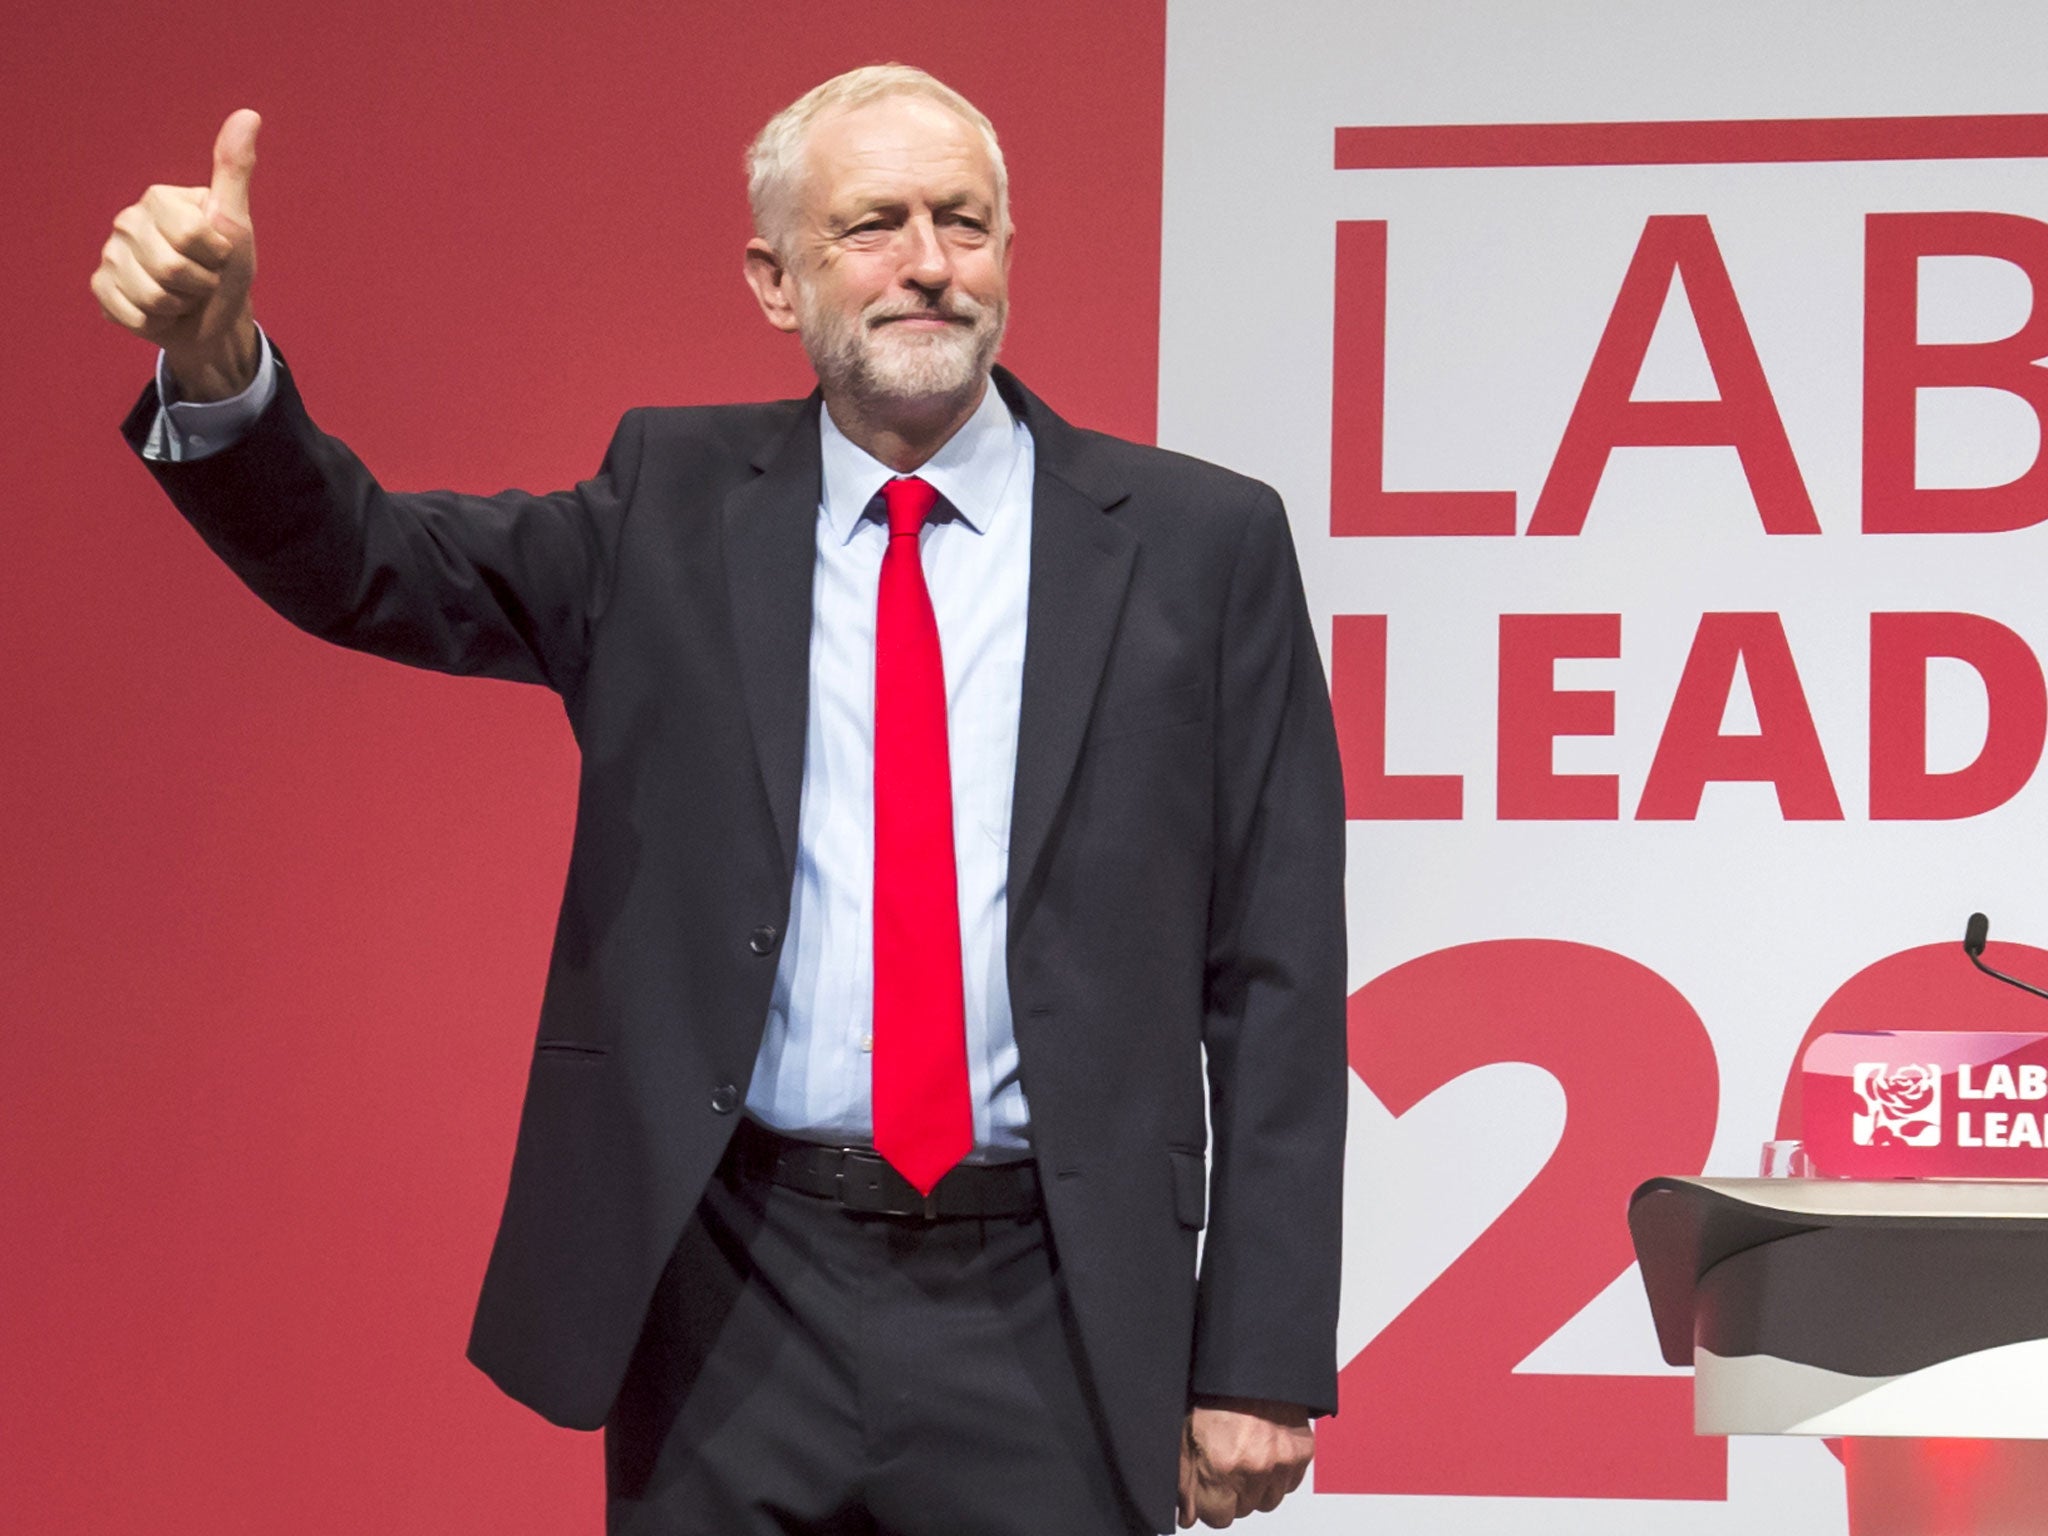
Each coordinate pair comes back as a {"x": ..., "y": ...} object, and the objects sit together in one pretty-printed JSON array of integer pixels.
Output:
[
  {"x": 770, "y": 551},
  {"x": 1080, "y": 568}
]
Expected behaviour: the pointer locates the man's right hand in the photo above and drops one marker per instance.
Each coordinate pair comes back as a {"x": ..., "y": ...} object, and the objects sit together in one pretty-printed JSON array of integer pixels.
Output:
[{"x": 178, "y": 267}]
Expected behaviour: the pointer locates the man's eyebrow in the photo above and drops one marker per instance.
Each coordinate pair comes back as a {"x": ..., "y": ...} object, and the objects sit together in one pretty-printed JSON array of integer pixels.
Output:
[{"x": 847, "y": 217}]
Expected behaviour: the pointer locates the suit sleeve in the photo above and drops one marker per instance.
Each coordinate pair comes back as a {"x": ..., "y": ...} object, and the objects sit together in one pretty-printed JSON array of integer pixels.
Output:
[
  {"x": 1274, "y": 1029},
  {"x": 506, "y": 586}
]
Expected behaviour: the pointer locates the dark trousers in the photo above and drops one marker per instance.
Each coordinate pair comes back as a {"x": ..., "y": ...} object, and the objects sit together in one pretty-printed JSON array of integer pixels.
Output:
[{"x": 808, "y": 1370}]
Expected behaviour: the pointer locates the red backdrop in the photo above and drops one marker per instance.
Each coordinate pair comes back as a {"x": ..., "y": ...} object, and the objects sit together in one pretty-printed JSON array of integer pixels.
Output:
[{"x": 275, "y": 916}]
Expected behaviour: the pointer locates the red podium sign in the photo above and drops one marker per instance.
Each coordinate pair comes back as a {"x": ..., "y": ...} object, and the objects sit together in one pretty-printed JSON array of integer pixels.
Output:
[{"x": 1926, "y": 1105}]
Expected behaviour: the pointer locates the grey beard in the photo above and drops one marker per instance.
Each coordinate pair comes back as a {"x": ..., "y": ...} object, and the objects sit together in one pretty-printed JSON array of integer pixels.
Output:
[{"x": 864, "y": 365}]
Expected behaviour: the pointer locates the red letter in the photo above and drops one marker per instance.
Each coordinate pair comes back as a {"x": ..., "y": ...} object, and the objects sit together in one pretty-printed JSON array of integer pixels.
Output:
[
  {"x": 1785, "y": 751},
  {"x": 1745, "y": 417},
  {"x": 1534, "y": 712},
  {"x": 1358, "y": 694},
  {"x": 1896, "y": 365},
  {"x": 1901, "y": 788},
  {"x": 1359, "y": 505}
]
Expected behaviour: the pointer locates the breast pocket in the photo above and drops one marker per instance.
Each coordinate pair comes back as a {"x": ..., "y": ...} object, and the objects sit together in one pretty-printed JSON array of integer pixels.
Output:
[{"x": 1159, "y": 710}]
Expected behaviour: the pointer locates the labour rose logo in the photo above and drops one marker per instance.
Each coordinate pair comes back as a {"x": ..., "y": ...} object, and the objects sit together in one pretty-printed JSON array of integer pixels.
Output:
[{"x": 1901, "y": 1105}]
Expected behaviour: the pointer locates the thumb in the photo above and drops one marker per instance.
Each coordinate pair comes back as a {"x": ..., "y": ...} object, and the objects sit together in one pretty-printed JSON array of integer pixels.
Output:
[{"x": 234, "y": 158}]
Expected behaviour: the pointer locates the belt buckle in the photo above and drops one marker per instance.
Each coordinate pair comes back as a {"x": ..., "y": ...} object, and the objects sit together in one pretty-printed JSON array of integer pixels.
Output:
[{"x": 864, "y": 1183}]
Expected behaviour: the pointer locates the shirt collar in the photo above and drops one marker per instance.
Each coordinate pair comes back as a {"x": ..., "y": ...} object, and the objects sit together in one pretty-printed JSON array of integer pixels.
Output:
[{"x": 971, "y": 471}]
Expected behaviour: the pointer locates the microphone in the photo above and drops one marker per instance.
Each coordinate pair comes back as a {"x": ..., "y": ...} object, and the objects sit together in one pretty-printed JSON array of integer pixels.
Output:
[{"x": 1975, "y": 932}]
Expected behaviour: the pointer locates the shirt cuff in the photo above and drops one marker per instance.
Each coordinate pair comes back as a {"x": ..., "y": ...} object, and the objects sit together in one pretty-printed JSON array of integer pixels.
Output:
[{"x": 186, "y": 430}]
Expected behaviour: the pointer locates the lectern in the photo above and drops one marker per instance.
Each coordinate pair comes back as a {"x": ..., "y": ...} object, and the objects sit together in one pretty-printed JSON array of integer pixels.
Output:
[{"x": 1909, "y": 1317}]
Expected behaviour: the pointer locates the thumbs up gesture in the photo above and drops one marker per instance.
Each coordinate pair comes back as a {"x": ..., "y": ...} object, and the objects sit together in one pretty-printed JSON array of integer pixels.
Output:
[{"x": 178, "y": 267}]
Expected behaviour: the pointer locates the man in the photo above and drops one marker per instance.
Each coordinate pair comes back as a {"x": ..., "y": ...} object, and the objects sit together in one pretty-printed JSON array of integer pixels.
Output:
[{"x": 956, "y": 783}]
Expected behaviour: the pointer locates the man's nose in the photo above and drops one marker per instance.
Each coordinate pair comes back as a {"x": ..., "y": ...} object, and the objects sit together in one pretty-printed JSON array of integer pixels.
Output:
[{"x": 926, "y": 261}]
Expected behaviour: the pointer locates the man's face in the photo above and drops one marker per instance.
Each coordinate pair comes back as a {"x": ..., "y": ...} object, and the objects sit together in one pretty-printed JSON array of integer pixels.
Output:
[{"x": 896, "y": 273}]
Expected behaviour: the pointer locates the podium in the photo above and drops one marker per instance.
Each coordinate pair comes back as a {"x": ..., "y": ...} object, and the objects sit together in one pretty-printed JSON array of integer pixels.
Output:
[{"x": 1909, "y": 1317}]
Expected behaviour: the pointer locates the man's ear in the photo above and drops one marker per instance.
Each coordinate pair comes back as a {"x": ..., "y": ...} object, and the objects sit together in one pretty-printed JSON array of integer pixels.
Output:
[{"x": 770, "y": 280}]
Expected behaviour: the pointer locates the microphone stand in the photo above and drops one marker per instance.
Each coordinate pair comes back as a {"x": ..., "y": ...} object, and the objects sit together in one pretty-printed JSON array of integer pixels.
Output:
[{"x": 1975, "y": 932}]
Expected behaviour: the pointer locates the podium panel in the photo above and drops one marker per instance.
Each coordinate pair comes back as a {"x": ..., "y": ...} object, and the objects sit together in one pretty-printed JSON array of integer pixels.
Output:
[{"x": 1909, "y": 1318}]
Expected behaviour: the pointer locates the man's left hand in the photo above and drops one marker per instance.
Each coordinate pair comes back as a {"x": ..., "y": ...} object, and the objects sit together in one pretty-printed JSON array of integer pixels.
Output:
[{"x": 1238, "y": 1454}]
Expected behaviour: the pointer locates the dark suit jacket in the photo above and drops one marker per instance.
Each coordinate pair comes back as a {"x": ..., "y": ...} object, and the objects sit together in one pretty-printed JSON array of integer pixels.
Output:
[{"x": 1175, "y": 880}]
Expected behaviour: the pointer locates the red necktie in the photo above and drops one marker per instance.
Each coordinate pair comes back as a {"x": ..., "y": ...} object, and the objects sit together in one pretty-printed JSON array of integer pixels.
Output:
[{"x": 924, "y": 1123}]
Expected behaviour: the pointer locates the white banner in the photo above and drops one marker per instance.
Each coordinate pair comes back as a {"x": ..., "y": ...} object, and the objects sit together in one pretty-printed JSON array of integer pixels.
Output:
[{"x": 1669, "y": 492}]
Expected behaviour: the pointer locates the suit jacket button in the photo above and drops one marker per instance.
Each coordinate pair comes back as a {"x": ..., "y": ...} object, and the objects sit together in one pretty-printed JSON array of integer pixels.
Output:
[
  {"x": 762, "y": 940},
  {"x": 725, "y": 1098}
]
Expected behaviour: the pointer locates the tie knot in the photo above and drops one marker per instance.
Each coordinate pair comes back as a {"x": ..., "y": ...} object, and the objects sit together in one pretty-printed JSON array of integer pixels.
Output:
[{"x": 909, "y": 501}]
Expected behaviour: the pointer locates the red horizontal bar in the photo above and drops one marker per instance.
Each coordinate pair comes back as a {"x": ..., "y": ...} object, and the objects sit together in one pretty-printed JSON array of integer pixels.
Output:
[{"x": 1737, "y": 141}]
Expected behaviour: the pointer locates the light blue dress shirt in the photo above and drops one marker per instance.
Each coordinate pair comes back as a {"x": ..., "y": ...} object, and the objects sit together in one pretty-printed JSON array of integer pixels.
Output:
[
  {"x": 196, "y": 429},
  {"x": 813, "y": 1077}
]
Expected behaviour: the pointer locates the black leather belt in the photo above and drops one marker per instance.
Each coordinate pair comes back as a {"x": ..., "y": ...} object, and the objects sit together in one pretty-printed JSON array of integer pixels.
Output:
[{"x": 861, "y": 1180}]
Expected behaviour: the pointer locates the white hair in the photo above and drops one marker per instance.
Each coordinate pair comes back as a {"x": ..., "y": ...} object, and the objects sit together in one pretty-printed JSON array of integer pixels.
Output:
[{"x": 775, "y": 159}]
